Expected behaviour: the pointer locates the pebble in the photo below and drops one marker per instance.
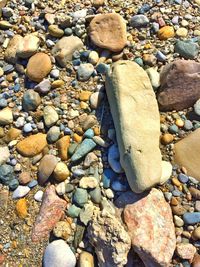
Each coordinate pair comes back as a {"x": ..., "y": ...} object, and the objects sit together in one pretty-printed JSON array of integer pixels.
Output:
[
  {"x": 95, "y": 99},
  {"x": 93, "y": 57},
  {"x": 88, "y": 182},
  {"x": 188, "y": 125},
  {"x": 185, "y": 251},
  {"x": 167, "y": 139},
  {"x": 86, "y": 259},
  {"x": 191, "y": 218},
  {"x": 55, "y": 31},
  {"x": 43, "y": 87},
  {"x": 4, "y": 154},
  {"x": 62, "y": 230},
  {"x": 31, "y": 100},
  {"x": 50, "y": 116},
  {"x": 24, "y": 178},
  {"x": 166, "y": 32},
  {"x": 53, "y": 134},
  {"x": 61, "y": 172},
  {"x": 6, "y": 116},
  {"x": 95, "y": 195},
  {"x": 139, "y": 21},
  {"x": 197, "y": 107},
  {"x": 84, "y": 72},
  {"x": 46, "y": 168},
  {"x": 83, "y": 149},
  {"x": 183, "y": 178},
  {"x": 73, "y": 211},
  {"x": 113, "y": 159},
  {"x": 21, "y": 208},
  {"x": 38, "y": 195},
  {"x": 80, "y": 197},
  {"x": 186, "y": 49},
  {"x": 196, "y": 234},
  {"x": 20, "y": 192}
]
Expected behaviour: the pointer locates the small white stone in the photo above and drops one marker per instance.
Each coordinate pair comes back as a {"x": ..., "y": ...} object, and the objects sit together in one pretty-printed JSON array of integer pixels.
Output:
[
  {"x": 4, "y": 154},
  {"x": 95, "y": 99},
  {"x": 20, "y": 191},
  {"x": 88, "y": 182},
  {"x": 166, "y": 171},
  {"x": 93, "y": 57},
  {"x": 109, "y": 193},
  {"x": 38, "y": 196}
]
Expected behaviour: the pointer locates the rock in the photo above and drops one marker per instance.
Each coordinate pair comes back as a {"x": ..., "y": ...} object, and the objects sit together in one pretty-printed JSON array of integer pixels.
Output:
[
  {"x": 20, "y": 191},
  {"x": 113, "y": 159},
  {"x": 4, "y": 154},
  {"x": 166, "y": 139},
  {"x": 154, "y": 77},
  {"x": 95, "y": 99},
  {"x": 109, "y": 238},
  {"x": 24, "y": 178},
  {"x": 35, "y": 71},
  {"x": 85, "y": 71},
  {"x": 108, "y": 31},
  {"x": 11, "y": 51},
  {"x": 6, "y": 116},
  {"x": 43, "y": 87},
  {"x": 166, "y": 171},
  {"x": 28, "y": 46},
  {"x": 139, "y": 21},
  {"x": 86, "y": 213},
  {"x": 187, "y": 49},
  {"x": 64, "y": 49},
  {"x": 152, "y": 215},
  {"x": 83, "y": 149},
  {"x": 51, "y": 211},
  {"x": 53, "y": 134},
  {"x": 186, "y": 153},
  {"x": 195, "y": 193},
  {"x": 50, "y": 116},
  {"x": 86, "y": 259},
  {"x": 196, "y": 260},
  {"x": 196, "y": 233},
  {"x": 93, "y": 57},
  {"x": 58, "y": 253},
  {"x": 12, "y": 134},
  {"x": 191, "y": 218},
  {"x": 95, "y": 195},
  {"x": 88, "y": 182},
  {"x": 21, "y": 208},
  {"x": 140, "y": 155},
  {"x": 97, "y": 4},
  {"x": 185, "y": 251},
  {"x": 73, "y": 211},
  {"x": 179, "y": 85},
  {"x": 39, "y": 195},
  {"x": 6, "y": 174},
  {"x": 62, "y": 145},
  {"x": 31, "y": 100},
  {"x": 62, "y": 230},
  {"x": 197, "y": 107},
  {"x": 46, "y": 168},
  {"x": 5, "y": 25},
  {"x": 32, "y": 145},
  {"x": 166, "y": 32},
  {"x": 80, "y": 196},
  {"x": 182, "y": 32},
  {"x": 55, "y": 31},
  {"x": 61, "y": 172}
]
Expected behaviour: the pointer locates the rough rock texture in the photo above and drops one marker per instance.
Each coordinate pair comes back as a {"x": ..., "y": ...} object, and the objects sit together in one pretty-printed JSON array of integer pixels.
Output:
[
  {"x": 186, "y": 153},
  {"x": 11, "y": 51},
  {"x": 135, "y": 113},
  {"x": 64, "y": 49},
  {"x": 151, "y": 228},
  {"x": 111, "y": 241},
  {"x": 32, "y": 145},
  {"x": 180, "y": 82},
  {"x": 108, "y": 31},
  {"x": 51, "y": 211}
]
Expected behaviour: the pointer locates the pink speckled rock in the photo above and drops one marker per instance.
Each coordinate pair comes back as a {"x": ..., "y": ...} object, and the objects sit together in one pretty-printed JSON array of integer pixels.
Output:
[
  {"x": 150, "y": 224},
  {"x": 51, "y": 211}
]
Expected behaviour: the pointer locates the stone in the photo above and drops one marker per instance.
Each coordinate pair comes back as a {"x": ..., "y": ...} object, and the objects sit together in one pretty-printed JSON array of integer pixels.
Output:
[
  {"x": 12, "y": 134},
  {"x": 196, "y": 260},
  {"x": 114, "y": 159},
  {"x": 179, "y": 85},
  {"x": 6, "y": 116},
  {"x": 191, "y": 218},
  {"x": 88, "y": 182},
  {"x": 197, "y": 107},
  {"x": 43, "y": 87},
  {"x": 108, "y": 31},
  {"x": 50, "y": 116},
  {"x": 95, "y": 99},
  {"x": 139, "y": 21},
  {"x": 86, "y": 213},
  {"x": 196, "y": 233},
  {"x": 39, "y": 195},
  {"x": 37, "y": 71},
  {"x": 93, "y": 58},
  {"x": 32, "y": 145},
  {"x": 55, "y": 31},
  {"x": 97, "y": 4},
  {"x": 154, "y": 77},
  {"x": 95, "y": 195},
  {"x": 85, "y": 71},
  {"x": 166, "y": 171},
  {"x": 182, "y": 32},
  {"x": 109, "y": 238},
  {"x": 80, "y": 196},
  {"x": 4, "y": 154},
  {"x": 11, "y": 51},
  {"x": 62, "y": 230},
  {"x": 166, "y": 32},
  {"x": 186, "y": 154},
  {"x": 129, "y": 88},
  {"x": 58, "y": 253},
  {"x": 53, "y": 134},
  {"x": 166, "y": 139},
  {"x": 6, "y": 174},
  {"x": 186, "y": 49},
  {"x": 86, "y": 259},
  {"x": 51, "y": 211},
  {"x": 195, "y": 192},
  {"x": 74, "y": 211},
  {"x": 31, "y": 100},
  {"x": 83, "y": 149},
  {"x": 62, "y": 145},
  {"x": 46, "y": 168},
  {"x": 24, "y": 178},
  {"x": 21, "y": 208},
  {"x": 64, "y": 49},
  {"x": 28, "y": 46},
  {"x": 151, "y": 215},
  {"x": 185, "y": 251},
  {"x": 20, "y": 191},
  {"x": 61, "y": 172}
]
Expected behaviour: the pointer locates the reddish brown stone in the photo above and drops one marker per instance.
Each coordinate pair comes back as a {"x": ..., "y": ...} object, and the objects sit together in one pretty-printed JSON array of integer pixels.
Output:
[
  {"x": 24, "y": 178},
  {"x": 2, "y": 259},
  {"x": 150, "y": 224},
  {"x": 51, "y": 211},
  {"x": 196, "y": 260},
  {"x": 180, "y": 85}
]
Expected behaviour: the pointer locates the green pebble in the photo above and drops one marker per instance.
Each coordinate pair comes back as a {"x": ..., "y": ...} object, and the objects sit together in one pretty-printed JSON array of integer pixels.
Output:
[
  {"x": 80, "y": 196},
  {"x": 73, "y": 211}
]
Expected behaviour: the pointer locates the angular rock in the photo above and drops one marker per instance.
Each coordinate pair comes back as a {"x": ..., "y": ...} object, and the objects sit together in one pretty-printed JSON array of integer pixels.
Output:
[
  {"x": 46, "y": 168},
  {"x": 11, "y": 51},
  {"x": 108, "y": 31},
  {"x": 131, "y": 96},
  {"x": 32, "y": 145},
  {"x": 83, "y": 149},
  {"x": 150, "y": 224},
  {"x": 180, "y": 83},
  {"x": 6, "y": 116},
  {"x": 186, "y": 154},
  {"x": 50, "y": 116},
  {"x": 31, "y": 100},
  {"x": 64, "y": 49},
  {"x": 28, "y": 46},
  {"x": 62, "y": 145},
  {"x": 110, "y": 239},
  {"x": 51, "y": 211}
]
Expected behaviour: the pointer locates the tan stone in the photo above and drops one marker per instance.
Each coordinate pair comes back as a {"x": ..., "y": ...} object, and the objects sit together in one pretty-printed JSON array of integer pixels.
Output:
[
  {"x": 61, "y": 172},
  {"x": 62, "y": 146},
  {"x": 108, "y": 31},
  {"x": 32, "y": 145},
  {"x": 186, "y": 251},
  {"x": 10, "y": 54},
  {"x": 186, "y": 154},
  {"x": 38, "y": 67},
  {"x": 86, "y": 259},
  {"x": 12, "y": 134}
]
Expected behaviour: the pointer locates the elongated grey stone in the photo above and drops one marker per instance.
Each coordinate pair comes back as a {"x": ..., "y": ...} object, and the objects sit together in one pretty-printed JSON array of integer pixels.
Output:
[{"x": 136, "y": 118}]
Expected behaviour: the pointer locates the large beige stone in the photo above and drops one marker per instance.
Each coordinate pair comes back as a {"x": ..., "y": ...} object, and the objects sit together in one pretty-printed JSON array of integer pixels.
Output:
[
  {"x": 10, "y": 54},
  {"x": 136, "y": 118},
  {"x": 150, "y": 225},
  {"x": 108, "y": 31},
  {"x": 187, "y": 154}
]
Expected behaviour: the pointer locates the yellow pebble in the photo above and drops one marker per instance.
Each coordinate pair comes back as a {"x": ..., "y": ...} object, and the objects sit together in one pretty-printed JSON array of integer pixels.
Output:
[
  {"x": 57, "y": 84},
  {"x": 21, "y": 208},
  {"x": 77, "y": 138},
  {"x": 147, "y": 46},
  {"x": 179, "y": 123},
  {"x": 96, "y": 131},
  {"x": 84, "y": 95},
  {"x": 83, "y": 105},
  {"x": 167, "y": 139},
  {"x": 166, "y": 32},
  {"x": 176, "y": 182}
]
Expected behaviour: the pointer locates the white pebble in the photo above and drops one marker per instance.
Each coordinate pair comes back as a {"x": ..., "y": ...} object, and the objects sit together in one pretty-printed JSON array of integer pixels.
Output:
[
  {"x": 20, "y": 191},
  {"x": 38, "y": 196}
]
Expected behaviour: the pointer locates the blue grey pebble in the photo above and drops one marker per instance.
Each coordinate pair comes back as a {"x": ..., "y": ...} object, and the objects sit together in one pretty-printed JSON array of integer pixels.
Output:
[
  {"x": 108, "y": 175},
  {"x": 68, "y": 31},
  {"x": 183, "y": 178},
  {"x": 16, "y": 87},
  {"x": 8, "y": 68},
  {"x": 191, "y": 218},
  {"x": 139, "y": 61},
  {"x": 176, "y": 193},
  {"x": 32, "y": 183},
  {"x": 31, "y": 100},
  {"x": 186, "y": 49},
  {"x": 84, "y": 148},
  {"x": 77, "y": 172},
  {"x": 43, "y": 87},
  {"x": 139, "y": 21},
  {"x": 85, "y": 71},
  {"x": 80, "y": 197},
  {"x": 160, "y": 56},
  {"x": 73, "y": 211},
  {"x": 27, "y": 128},
  {"x": 117, "y": 186},
  {"x": 6, "y": 174},
  {"x": 89, "y": 133},
  {"x": 67, "y": 131},
  {"x": 144, "y": 8},
  {"x": 188, "y": 125},
  {"x": 55, "y": 73},
  {"x": 155, "y": 27},
  {"x": 13, "y": 162},
  {"x": 13, "y": 184},
  {"x": 3, "y": 103},
  {"x": 173, "y": 129},
  {"x": 102, "y": 68}
]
